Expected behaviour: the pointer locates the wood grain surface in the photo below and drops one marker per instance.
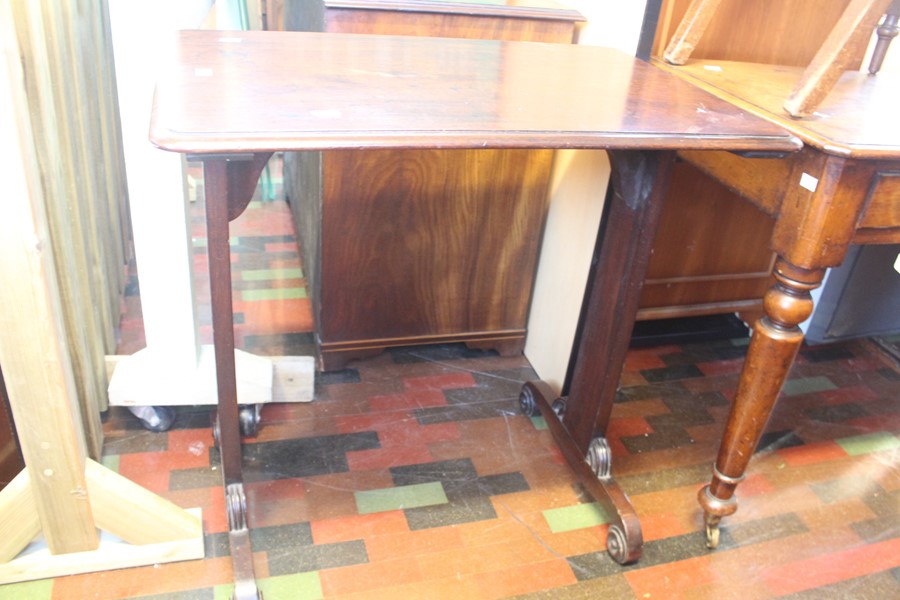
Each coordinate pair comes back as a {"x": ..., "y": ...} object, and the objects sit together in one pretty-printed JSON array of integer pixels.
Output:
[
  {"x": 235, "y": 93},
  {"x": 857, "y": 119},
  {"x": 454, "y": 265}
]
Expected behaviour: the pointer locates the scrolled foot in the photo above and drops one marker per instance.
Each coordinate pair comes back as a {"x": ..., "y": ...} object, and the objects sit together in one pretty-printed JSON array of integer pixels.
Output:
[
  {"x": 616, "y": 544},
  {"x": 599, "y": 457},
  {"x": 236, "y": 506}
]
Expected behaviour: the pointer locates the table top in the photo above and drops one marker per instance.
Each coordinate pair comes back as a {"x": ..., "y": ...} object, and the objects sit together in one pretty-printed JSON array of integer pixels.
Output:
[
  {"x": 858, "y": 118},
  {"x": 231, "y": 92}
]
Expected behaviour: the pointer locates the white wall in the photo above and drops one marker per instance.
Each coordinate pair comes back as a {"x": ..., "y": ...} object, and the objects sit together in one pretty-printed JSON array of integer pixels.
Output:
[
  {"x": 580, "y": 178},
  {"x": 141, "y": 34}
]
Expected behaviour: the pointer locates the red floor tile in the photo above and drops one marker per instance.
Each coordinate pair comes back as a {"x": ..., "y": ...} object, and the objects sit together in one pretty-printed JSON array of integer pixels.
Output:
[
  {"x": 385, "y": 458},
  {"x": 439, "y": 382},
  {"x": 832, "y": 567},
  {"x": 408, "y": 401},
  {"x": 525, "y": 578},
  {"x": 369, "y": 577},
  {"x": 354, "y": 527},
  {"x": 812, "y": 453},
  {"x": 670, "y": 580},
  {"x": 411, "y": 544}
]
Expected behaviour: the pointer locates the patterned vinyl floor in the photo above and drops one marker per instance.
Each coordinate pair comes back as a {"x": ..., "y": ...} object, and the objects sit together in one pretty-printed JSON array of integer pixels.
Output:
[{"x": 413, "y": 474}]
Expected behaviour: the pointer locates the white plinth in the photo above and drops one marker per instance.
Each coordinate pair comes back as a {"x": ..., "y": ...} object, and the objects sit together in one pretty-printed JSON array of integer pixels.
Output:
[{"x": 141, "y": 379}]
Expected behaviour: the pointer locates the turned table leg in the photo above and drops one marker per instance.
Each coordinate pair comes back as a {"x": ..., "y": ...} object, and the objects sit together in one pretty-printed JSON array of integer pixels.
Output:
[
  {"x": 822, "y": 200},
  {"x": 773, "y": 347}
]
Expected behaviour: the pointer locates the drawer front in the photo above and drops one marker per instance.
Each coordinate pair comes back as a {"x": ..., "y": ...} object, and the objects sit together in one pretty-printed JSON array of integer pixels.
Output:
[{"x": 883, "y": 204}]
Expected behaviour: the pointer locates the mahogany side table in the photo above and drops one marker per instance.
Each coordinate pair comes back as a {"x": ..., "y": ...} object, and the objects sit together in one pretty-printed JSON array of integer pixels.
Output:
[{"x": 229, "y": 101}]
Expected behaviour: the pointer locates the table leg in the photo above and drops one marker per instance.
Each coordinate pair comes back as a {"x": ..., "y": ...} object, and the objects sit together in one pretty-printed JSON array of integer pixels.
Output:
[
  {"x": 823, "y": 198},
  {"x": 578, "y": 422},
  {"x": 229, "y": 183},
  {"x": 773, "y": 347}
]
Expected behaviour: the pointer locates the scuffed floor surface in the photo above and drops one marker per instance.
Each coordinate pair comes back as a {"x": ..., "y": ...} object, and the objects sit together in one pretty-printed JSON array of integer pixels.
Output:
[{"x": 413, "y": 475}]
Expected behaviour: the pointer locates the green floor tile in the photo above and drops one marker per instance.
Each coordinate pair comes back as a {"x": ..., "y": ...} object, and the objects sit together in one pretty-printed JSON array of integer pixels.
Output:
[
  {"x": 289, "y": 587},
  {"x": 872, "y": 442},
  {"x": 29, "y": 590},
  {"x": 405, "y": 496},
  {"x": 273, "y": 294},
  {"x": 807, "y": 385},
  {"x": 539, "y": 422},
  {"x": 579, "y": 516},
  {"x": 270, "y": 274},
  {"x": 111, "y": 462}
]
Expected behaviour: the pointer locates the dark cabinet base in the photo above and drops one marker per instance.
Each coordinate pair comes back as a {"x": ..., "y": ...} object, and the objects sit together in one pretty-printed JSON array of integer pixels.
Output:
[{"x": 336, "y": 356}]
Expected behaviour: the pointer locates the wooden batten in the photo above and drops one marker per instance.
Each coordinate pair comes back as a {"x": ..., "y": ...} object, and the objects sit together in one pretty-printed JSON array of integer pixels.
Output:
[
  {"x": 18, "y": 518},
  {"x": 81, "y": 170},
  {"x": 44, "y": 56},
  {"x": 113, "y": 171},
  {"x": 61, "y": 494},
  {"x": 33, "y": 351},
  {"x": 83, "y": 20},
  {"x": 111, "y": 554},
  {"x": 132, "y": 513}
]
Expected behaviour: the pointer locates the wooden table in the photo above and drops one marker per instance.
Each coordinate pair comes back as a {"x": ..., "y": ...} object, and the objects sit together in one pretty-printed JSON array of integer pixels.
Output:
[
  {"x": 229, "y": 100},
  {"x": 842, "y": 189}
]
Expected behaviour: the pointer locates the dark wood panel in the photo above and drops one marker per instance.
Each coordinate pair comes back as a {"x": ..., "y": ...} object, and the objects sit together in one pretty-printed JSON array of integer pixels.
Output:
[
  {"x": 420, "y": 243},
  {"x": 511, "y": 9},
  {"x": 684, "y": 276},
  {"x": 303, "y": 190},
  {"x": 10, "y": 457},
  {"x": 457, "y": 26},
  {"x": 704, "y": 203},
  {"x": 883, "y": 206},
  {"x": 389, "y": 17},
  {"x": 758, "y": 178}
]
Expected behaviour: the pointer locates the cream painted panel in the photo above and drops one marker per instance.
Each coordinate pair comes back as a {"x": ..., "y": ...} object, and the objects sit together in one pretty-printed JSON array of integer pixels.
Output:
[{"x": 579, "y": 185}]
